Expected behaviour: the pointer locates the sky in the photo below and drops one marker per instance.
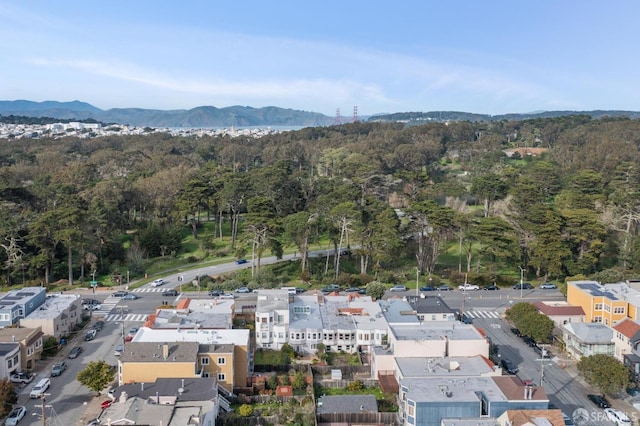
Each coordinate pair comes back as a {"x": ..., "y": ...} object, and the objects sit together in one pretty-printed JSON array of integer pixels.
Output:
[{"x": 479, "y": 56}]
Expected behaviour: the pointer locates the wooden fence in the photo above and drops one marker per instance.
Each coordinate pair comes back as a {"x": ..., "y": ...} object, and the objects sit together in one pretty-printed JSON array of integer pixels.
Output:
[{"x": 359, "y": 418}]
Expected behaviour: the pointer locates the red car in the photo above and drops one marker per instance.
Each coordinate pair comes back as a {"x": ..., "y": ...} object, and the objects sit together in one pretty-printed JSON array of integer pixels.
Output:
[{"x": 106, "y": 404}]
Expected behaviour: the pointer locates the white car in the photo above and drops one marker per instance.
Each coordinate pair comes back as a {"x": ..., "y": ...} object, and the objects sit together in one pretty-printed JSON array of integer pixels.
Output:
[
  {"x": 617, "y": 417},
  {"x": 398, "y": 287},
  {"x": 157, "y": 283},
  {"x": 465, "y": 287},
  {"x": 15, "y": 416},
  {"x": 119, "y": 350}
]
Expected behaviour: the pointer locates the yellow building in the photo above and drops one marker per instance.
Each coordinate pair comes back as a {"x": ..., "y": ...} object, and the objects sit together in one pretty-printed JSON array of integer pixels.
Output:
[
  {"x": 31, "y": 344},
  {"x": 607, "y": 304},
  {"x": 145, "y": 362}
]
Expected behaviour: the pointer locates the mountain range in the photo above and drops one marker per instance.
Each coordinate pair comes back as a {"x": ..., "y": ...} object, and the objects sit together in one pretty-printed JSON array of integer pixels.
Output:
[{"x": 245, "y": 116}]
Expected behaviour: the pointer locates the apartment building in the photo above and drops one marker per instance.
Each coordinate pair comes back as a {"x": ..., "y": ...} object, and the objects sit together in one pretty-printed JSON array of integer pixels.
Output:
[
  {"x": 608, "y": 303},
  {"x": 18, "y": 304}
]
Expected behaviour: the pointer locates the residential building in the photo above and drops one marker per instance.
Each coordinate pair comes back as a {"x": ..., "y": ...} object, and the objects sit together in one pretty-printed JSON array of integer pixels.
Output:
[
  {"x": 531, "y": 418},
  {"x": 560, "y": 312},
  {"x": 30, "y": 341},
  {"x": 10, "y": 361},
  {"x": 626, "y": 335},
  {"x": 341, "y": 323},
  {"x": 195, "y": 314},
  {"x": 224, "y": 354},
  {"x": 347, "y": 404},
  {"x": 58, "y": 316},
  {"x": 431, "y": 308},
  {"x": 18, "y": 304},
  {"x": 427, "y": 401},
  {"x": 170, "y": 401},
  {"x": 432, "y": 339},
  {"x": 586, "y": 339},
  {"x": 608, "y": 304},
  {"x": 453, "y": 367}
]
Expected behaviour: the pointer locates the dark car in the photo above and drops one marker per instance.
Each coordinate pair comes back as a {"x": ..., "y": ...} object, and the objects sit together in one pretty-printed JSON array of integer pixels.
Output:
[
  {"x": 516, "y": 332},
  {"x": 427, "y": 288},
  {"x": 75, "y": 352},
  {"x": 508, "y": 366},
  {"x": 353, "y": 290},
  {"x": 172, "y": 292},
  {"x": 445, "y": 288},
  {"x": 241, "y": 261},
  {"x": 119, "y": 293},
  {"x": 491, "y": 287},
  {"x": 300, "y": 290},
  {"x": 599, "y": 400},
  {"x": 466, "y": 319},
  {"x": 529, "y": 341},
  {"x": 98, "y": 325},
  {"x": 523, "y": 286},
  {"x": 216, "y": 293}
]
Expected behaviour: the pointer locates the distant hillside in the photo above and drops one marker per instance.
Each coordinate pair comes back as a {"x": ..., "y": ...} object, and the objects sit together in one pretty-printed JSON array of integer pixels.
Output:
[
  {"x": 467, "y": 116},
  {"x": 204, "y": 116}
]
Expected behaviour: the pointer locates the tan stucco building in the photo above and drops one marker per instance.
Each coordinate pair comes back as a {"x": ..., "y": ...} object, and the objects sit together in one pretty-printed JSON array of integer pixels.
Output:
[{"x": 31, "y": 344}]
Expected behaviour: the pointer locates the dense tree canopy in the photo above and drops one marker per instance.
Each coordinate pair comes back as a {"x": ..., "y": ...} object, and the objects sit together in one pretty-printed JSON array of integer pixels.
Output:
[{"x": 398, "y": 195}]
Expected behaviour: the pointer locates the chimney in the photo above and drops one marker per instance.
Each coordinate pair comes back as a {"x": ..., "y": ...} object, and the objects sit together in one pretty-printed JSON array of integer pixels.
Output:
[
  {"x": 142, "y": 387},
  {"x": 165, "y": 350}
]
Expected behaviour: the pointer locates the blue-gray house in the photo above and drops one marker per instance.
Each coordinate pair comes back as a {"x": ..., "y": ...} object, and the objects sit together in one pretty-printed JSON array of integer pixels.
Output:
[
  {"x": 426, "y": 401},
  {"x": 19, "y": 303}
]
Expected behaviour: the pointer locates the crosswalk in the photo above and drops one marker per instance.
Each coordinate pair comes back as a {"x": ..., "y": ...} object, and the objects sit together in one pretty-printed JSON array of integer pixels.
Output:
[
  {"x": 149, "y": 290},
  {"x": 127, "y": 317},
  {"x": 483, "y": 314},
  {"x": 107, "y": 306}
]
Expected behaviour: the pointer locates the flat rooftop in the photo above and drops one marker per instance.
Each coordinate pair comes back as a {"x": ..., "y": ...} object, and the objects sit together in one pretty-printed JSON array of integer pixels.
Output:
[
  {"x": 433, "y": 330},
  {"x": 445, "y": 367},
  {"x": 202, "y": 336},
  {"x": 54, "y": 305}
]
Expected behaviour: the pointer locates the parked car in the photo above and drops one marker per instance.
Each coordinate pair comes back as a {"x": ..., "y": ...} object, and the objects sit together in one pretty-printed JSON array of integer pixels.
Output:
[
  {"x": 90, "y": 304},
  {"x": 119, "y": 293},
  {"x": 300, "y": 290},
  {"x": 355, "y": 290},
  {"x": 330, "y": 288},
  {"x": 75, "y": 352},
  {"x": 92, "y": 307},
  {"x": 58, "y": 368},
  {"x": 243, "y": 290},
  {"x": 524, "y": 286},
  {"x": 599, "y": 400},
  {"x": 226, "y": 296},
  {"x": 216, "y": 292},
  {"x": 617, "y": 417},
  {"x": 119, "y": 350},
  {"x": 15, "y": 415},
  {"x": 398, "y": 287},
  {"x": 445, "y": 288},
  {"x": 427, "y": 288},
  {"x": 130, "y": 296},
  {"x": 241, "y": 261},
  {"x": 106, "y": 404},
  {"x": 158, "y": 282},
  {"x": 172, "y": 292},
  {"x": 548, "y": 286},
  {"x": 491, "y": 287},
  {"x": 468, "y": 287},
  {"x": 508, "y": 366},
  {"x": 98, "y": 325},
  {"x": 466, "y": 319},
  {"x": 529, "y": 341},
  {"x": 23, "y": 378},
  {"x": 516, "y": 332}
]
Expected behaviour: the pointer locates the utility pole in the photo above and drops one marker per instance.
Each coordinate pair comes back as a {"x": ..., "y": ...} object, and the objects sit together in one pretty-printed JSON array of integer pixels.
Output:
[
  {"x": 43, "y": 398},
  {"x": 122, "y": 308}
]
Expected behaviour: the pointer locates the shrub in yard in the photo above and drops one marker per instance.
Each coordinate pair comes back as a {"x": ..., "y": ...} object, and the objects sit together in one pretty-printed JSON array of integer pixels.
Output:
[{"x": 245, "y": 410}]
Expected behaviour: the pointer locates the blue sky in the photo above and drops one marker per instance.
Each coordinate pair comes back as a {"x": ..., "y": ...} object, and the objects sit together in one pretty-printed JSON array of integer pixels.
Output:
[{"x": 477, "y": 56}]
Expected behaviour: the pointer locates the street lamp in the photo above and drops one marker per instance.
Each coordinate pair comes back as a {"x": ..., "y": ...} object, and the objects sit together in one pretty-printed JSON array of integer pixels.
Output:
[
  {"x": 417, "y": 279},
  {"x": 521, "y": 280}
]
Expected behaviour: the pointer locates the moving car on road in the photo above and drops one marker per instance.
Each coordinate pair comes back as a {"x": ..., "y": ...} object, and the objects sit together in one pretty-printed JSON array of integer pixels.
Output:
[
  {"x": 243, "y": 290},
  {"x": 172, "y": 292},
  {"x": 130, "y": 296},
  {"x": 119, "y": 293},
  {"x": 617, "y": 417},
  {"x": 523, "y": 286},
  {"x": 241, "y": 261},
  {"x": 548, "y": 286},
  {"x": 491, "y": 287},
  {"x": 158, "y": 282}
]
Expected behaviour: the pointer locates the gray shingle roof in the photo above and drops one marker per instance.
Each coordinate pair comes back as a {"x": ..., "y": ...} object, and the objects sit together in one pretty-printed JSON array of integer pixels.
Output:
[{"x": 347, "y": 404}]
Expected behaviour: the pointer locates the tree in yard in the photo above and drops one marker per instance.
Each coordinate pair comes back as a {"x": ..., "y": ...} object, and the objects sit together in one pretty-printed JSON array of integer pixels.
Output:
[
  {"x": 604, "y": 372},
  {"x": 299, "y": 381},
  {"x": 287, "y": 353},
  {"x": 376, "y": 290},
  {"x": 8, "y": 396},
  {"x": 96, "y": 375}
]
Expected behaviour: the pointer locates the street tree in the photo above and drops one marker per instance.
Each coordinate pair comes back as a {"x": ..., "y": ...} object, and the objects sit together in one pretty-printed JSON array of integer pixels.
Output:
[
  {"x": 96, "y": 375},
  {"x": 376, "y": 290},
  {"x": 604, "y": 372}
]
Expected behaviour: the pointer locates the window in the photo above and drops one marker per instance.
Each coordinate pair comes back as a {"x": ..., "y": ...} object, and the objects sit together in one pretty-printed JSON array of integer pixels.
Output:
[
  {"x": 222, "y": 377},
  {"x": 607, "y": 308},
  {"x": 618, "y": 310},
  {"x": 597, "y": 319},
  {"x": 411, "y": 410},
  {"x": 222, "y": 360},
  {"x": 301, "y": 309},
  {"x": 204, "y": 360},
  {"x": 205, "y": 375},
  {"x": 597, "y": 307}
]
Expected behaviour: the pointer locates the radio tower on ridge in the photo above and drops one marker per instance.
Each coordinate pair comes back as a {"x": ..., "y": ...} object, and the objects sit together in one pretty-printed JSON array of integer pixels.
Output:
[
  {"x": 355, "y": 114},
  {"x": 338, "y": 118}
]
